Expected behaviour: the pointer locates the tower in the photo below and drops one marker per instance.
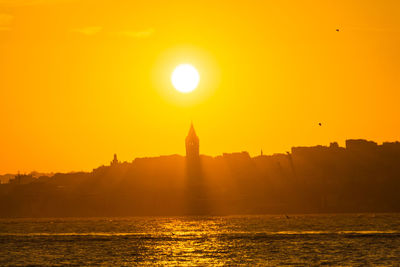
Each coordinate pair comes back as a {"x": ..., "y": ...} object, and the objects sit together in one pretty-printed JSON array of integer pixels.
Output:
[
  {"x": 192, "y": 143},
  {"x": 114, "y": 161}
]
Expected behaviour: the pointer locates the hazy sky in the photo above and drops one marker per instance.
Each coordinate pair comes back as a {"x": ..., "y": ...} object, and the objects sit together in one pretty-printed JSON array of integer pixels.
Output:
[{"x": 81, "y": 80}]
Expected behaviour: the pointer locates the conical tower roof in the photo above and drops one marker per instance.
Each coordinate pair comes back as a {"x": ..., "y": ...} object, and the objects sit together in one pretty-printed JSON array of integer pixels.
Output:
[{"x": 192, "y": 132}]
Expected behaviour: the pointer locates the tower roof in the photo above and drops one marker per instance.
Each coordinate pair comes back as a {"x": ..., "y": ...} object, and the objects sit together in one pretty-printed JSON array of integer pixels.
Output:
[{"x": 192, "y": 132}]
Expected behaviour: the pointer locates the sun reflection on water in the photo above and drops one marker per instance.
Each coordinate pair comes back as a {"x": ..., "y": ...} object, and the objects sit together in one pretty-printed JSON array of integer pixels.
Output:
[
  {"x": 202, "y": 241},
  {"x": 191, "y": 241}
]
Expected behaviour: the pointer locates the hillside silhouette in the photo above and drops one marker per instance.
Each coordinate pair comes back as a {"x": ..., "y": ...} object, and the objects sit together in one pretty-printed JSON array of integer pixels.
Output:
[{"x": 361, "y": 177}]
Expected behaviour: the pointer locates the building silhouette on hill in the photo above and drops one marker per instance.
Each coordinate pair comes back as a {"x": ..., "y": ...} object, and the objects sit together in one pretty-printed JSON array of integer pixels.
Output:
[
  {"x": 363, "y": 176},
  {"x": 115, "y": 161},
  {"x": 192, "y": 144}
]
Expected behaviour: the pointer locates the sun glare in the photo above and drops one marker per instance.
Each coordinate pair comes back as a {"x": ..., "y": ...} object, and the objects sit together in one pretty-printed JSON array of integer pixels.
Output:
[{"x": 185, "y": 78}]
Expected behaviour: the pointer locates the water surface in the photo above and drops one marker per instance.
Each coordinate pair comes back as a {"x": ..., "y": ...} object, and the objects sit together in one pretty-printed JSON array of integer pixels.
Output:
[{"x": 364, "y": 239}]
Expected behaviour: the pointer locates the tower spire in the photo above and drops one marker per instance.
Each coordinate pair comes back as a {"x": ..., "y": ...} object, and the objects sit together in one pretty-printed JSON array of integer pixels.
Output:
[
  {"x": 114, "y": 161},
  {"x": 192, "y": 143}
]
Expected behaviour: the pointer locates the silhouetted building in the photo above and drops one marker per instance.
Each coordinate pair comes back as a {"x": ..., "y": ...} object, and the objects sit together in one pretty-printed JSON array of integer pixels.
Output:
[
  {"x": 391, "y": 147},
  {"x": 22, "y": 179},
  {"x": 361, "y": 145},
  {"x": 334, "y": 145},
  {"x": 114, "y": 161},
  {"x": 192, "y": 143}
]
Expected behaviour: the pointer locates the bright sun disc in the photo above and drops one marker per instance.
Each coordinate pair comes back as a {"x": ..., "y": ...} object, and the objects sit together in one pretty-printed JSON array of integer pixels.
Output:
[{"x": 185, "y": 78}]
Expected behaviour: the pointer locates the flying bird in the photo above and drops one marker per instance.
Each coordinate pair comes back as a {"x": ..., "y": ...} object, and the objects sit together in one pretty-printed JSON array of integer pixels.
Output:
[
  {"x": 320, "y": 124},
  {"x": 337, "y": 30}
]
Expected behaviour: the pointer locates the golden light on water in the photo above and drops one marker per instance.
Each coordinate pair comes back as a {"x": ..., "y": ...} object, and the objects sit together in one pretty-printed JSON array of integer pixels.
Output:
[{"x": 185, "y": 78}]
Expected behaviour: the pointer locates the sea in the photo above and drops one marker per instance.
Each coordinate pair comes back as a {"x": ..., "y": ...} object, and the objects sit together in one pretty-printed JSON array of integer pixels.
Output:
[{"x": 273, "y": 240}]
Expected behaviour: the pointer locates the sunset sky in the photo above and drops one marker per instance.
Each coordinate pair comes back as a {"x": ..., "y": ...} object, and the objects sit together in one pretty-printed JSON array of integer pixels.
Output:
[{"x": 82, "y": 80}]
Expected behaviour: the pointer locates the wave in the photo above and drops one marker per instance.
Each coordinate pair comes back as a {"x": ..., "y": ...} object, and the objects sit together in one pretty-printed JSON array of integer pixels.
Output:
[{"x": 203, "y": 234}]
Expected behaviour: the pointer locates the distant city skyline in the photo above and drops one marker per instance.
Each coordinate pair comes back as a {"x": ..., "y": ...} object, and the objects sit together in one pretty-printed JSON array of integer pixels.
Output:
[
  {"x": 192, "y": 150},
  {"x": 361, "y": 177}
]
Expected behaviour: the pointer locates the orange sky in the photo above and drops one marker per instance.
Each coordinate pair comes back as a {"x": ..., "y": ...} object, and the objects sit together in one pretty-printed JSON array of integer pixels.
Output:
[{"x": 81, "y": 80}]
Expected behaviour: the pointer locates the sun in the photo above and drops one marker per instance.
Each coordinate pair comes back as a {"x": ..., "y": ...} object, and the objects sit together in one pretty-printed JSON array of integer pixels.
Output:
[{"x": 185, "y": 78}]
